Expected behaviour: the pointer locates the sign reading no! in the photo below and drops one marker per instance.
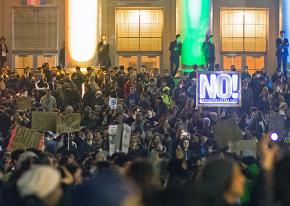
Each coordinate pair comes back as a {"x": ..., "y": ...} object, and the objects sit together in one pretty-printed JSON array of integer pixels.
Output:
[{"x": 218, "y": 89}]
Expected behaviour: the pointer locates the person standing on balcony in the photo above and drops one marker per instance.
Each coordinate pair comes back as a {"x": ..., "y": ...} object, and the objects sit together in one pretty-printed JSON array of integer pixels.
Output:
[
  {"x": 3, "y": 52},
  {"x": 175, "y": 52},
  {"x": 282, "y": 54}
]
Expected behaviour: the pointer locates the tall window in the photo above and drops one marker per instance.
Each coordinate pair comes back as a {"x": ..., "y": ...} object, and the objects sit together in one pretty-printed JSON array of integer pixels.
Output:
[
  {"x": 139, "y": 30},
  {"x": 35, "y": 29},
  {"x": 244, "y": 30}
]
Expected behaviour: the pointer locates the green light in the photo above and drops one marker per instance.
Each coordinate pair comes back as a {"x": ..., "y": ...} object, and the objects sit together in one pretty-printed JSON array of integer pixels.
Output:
[{"x": 195, "y": 17}]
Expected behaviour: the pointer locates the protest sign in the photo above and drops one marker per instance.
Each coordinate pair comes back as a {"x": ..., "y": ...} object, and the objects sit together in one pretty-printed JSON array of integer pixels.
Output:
[
  {"x": 113, "y": 103},
  {"x": 24, "y": 138},
  {"x": 226, "y": 131},
  {"x": 126, "y": 136},
  {"x": 247, "y": 147},
  {"x": 218, "y": 89},
  {"x": 276, "y": 123},
  {"x": 115, "y": 133},
  {"x": 44, "y": 121},
  {"x": 23, "y": 103},
  {"x": 68, "y": 122},
  {"x": 111, "y": 144},
  {"x": 119, "y": 138}
]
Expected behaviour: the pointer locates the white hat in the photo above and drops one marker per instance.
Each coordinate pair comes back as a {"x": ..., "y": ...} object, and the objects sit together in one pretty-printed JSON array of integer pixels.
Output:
[
  {"x": 40, "y": 181},
  {"x": 69, "y": 109},
  {"x": 24, "y": 157},
  {"x": 99, "y": 92}
]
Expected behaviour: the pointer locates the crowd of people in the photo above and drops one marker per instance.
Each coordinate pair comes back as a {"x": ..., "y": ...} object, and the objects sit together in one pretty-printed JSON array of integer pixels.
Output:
[{"x": 173, "y": 157}]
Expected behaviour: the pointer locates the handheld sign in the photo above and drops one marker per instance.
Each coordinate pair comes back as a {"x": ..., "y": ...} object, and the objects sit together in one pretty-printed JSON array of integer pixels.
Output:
[
  {"x": 115, "y": 135},
  {"x": 24, "y": 138},
  {"x": 226, "y": 132},
  {"x": 68, "y": 122},
  {"x": 277, "y": 123},
  {"x": 23, "y": 103},
  {"x": 44, "y": 121},
  {"x": 126, "y": 136},
  {"x": 247, "y": 147},
  {"x": 113, "y": 103},
  {"x": 218, "y": 89},
  {"x": 119, "y": 138}
]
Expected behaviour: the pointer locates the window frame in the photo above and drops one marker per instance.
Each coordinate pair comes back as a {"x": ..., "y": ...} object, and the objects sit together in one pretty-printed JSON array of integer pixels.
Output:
[
  {"x": 36, "y": 49},
  {"x": 238, "y": 52},
  {"x": 139, "y": 50}
]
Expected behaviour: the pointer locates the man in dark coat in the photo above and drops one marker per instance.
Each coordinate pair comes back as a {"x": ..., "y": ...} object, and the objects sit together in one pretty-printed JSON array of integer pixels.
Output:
[
  {"x": 3, "y": 52},
  {"x": 103, "y": 53},
  {"x": 61, "y": 59},
  {"x": 209, "y": 53},
  {"x": 282, "y": 45},
  {"x": 175, "y": 52}
]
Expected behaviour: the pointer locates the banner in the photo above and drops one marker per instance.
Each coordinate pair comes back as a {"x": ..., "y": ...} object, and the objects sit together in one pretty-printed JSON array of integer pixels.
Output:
[
  {"x": 245, "y": 147},
  {"x": 218, "y": 89},
  {"x": 23, "y": 103},
  {"x": 113, "y": 103},
  {"x": 24, "y": 138},
  {"x": 126, "y": 136},
  {"x": 68, "y": 122},
  {"x": 226, "y": 132},
  {"x": 44, "y": 121}
]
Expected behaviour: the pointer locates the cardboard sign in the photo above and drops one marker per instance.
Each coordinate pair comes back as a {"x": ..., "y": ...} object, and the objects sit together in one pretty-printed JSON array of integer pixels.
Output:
[
  {"x": 23, "y": 103},
  {"x": 113, "y": 129},
  {"x": 44, "y": 121},
  {"x": 247, "y": 147},
  {"x": 111, "y": 145},
  {"x": 119, "y": 138},
  {"x": 113, "y": 102},
  {"x": 227, "y": 131},
  {"x": 68, "y": 122},
  {"x": 276, "y": 123},
  {"x": 126, "y": 136},
  {"x": 218, "y": 89},
  {"x": 24, "y": 138},
  {"x": 115, "y": 135}
]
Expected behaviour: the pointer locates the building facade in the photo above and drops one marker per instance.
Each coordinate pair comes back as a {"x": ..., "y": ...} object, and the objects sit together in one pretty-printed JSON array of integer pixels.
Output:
[{"x": 140, "y": 31}]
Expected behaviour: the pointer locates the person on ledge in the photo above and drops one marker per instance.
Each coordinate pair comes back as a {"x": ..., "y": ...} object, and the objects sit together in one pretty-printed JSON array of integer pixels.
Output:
[
  {"x": 175, "y": 52},
  {"x": 209, "y": 53},
  {"x": 3, "y": 52},
  {"x": 104, "y": 53},
  {"x": 282, "y": 45}
]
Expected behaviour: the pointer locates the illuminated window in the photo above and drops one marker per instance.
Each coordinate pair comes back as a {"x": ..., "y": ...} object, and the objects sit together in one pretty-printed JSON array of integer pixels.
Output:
[
  {"x": 228, "y": 61},
  {"x": 22, "y": 61},
  {"x": 128, "y": 61},
  {"x": 139, "y": 30},
  {"x": 151, "y": 61},
  {"x": 255, "y": 62},
  {"x": 244, "y": 30},
  {"x": 50, "y": 59}
]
